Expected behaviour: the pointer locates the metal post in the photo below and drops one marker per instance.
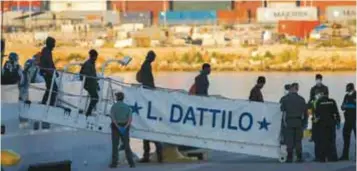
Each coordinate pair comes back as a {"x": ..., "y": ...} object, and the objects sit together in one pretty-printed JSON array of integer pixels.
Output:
[
  {"x": 106, "y": 101},
  {"x": 80, "y": 96},
  {"x": 51, "y": 89},
  {"x": 60, "y": 88}
]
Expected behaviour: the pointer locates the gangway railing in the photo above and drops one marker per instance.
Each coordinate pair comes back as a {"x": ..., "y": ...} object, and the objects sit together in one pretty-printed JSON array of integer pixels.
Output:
[{"x": 69, "y": 114}]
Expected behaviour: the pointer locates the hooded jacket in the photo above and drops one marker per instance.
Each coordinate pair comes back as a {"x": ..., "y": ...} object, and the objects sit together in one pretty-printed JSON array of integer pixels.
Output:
[{"x": 147, "y": 78}]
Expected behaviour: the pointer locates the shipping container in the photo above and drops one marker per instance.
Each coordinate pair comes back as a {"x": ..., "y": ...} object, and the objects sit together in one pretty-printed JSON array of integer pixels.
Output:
[
  {"x": 22, "y": 5},
  {"x": 273, "y": 15},
  {"x": 227, "y": 17},
  {"x": 200, "y": 5},
  {"x": 6, "y": 6},
  {"x": 323, "y": 5},
  {"x": 136, "y": 17},
  {"x": 188, "y": 17},
  {"x": 341, "y": 13},
  {"x": 247, "y": 10},
  {"x": 300, "y": 29},
  {"x": 154, "y": 6},
  {"x": 78, "y": 5}
]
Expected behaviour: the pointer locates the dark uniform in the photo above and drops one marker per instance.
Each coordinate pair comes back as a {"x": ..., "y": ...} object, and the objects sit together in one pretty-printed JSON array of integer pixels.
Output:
[
  {"x": 318, "y": 88},
  {"x": 202, "y": 84},
  {"x": 327, "y": 117},
  {"x": 312, "y": 102},
  {"x": 349, "y": 106},
  {"x": 147, "y": 80},
  {"x": 90, "y": 84},
  {"x": 295, "y": 110}
]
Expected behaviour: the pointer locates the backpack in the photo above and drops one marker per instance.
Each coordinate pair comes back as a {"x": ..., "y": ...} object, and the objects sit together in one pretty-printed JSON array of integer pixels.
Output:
[
  {"x": 10, "y": 74},
  {"x": 192, "y": 90},
  {"x": 138, "y": 76}
]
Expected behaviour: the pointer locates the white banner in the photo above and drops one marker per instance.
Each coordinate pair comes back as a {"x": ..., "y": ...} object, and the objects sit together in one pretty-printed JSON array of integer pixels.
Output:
[
  {"x": 222, "y": 124},
  {"x": 267, "y": 15}
]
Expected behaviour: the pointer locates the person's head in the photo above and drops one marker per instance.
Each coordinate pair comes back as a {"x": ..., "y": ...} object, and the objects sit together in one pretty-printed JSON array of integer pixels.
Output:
[
  {"x": 13, "y": 57},
  {"x": 294, "y": 87},
  {"x": 93, "y": 55},
  {"x": 287, "y": 88},
  {"x": 50, "y": 42},
  {"x": 350, "y": 88},
  {"x": 261, "y": 81},
  {"x": 206, "y": 68},
  {"x": 151, "y": 56},
  {"x": 318, "y": 79},
  {"x": 119, "y": 96}
]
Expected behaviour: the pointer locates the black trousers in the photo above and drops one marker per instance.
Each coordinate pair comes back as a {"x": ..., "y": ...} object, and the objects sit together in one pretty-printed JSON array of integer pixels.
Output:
[
  {"x": 350, "y": 125},
  {"x": 158, "y": 146},
  {"x": 93, "y": 93},
  {"x": 314, "y": 132},
  {"x": 116, "y": 136},
  {"x": 293, "y": 137},
  {"x": 326, "y": 142},
  {"x": 48, "y": 80}
]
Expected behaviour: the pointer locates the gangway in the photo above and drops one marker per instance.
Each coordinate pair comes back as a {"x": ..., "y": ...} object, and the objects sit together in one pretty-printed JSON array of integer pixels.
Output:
[{"x": 164, "y": 127}]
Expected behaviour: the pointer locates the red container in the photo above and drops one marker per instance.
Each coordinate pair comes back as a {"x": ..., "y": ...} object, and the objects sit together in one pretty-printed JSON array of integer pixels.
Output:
[
  {"x": 247, "y": 10},
  {"x": 300, "y": 29},
  {"x": 6, "y": 6},
  {"x": 227, "y": 17},
  {"x": 138, "y": 6}
]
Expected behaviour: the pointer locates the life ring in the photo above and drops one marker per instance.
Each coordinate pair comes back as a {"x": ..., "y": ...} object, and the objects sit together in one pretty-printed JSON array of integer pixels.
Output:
[{"x": 9, "y": 158}]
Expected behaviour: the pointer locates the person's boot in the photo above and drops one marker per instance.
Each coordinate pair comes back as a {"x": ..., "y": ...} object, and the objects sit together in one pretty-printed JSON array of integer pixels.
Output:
[
  {"x": 344, "y": 157},
  {"x": 144, "y": 160},
  {"x": 299, "y": 157},
  {"x": 289, "y": 158},
  {"x": 113, "y": 165},
  {"x": 159, "y": 158}
]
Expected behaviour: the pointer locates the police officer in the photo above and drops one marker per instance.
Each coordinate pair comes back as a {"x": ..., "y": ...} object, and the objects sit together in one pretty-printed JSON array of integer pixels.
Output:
[
  {"x": 349, "y": 108},
  {"x": 286, "y": 92},
  {"x": 318, "y": 87},
  {"x": 327, "y": 118},
  {"x": 295, "y": 110}
]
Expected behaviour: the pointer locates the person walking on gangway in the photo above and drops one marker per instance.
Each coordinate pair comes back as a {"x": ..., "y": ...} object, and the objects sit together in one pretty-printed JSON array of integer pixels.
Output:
[
  {"x": 295, "y": 109},
  {"x": 29, "y": 75},
  {"x": 256, "y": 94},
  {"x": 121, "y": 115},
  {"x": 91, "y": 84},
  {"x": 146, "y": 78},
  {"x": 47, "y": 70},
  {"x": 202, "y": 82}
]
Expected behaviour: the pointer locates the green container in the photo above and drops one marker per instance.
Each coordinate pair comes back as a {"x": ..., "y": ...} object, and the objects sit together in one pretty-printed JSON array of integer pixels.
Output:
[{"x": 200, "y": 5}]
